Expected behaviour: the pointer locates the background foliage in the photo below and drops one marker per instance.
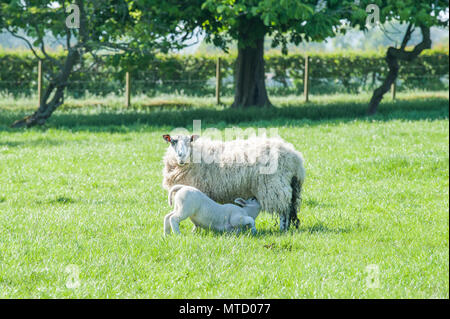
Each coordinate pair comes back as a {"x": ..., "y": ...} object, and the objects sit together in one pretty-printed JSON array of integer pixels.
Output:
[{"x": 346, "y": 71}]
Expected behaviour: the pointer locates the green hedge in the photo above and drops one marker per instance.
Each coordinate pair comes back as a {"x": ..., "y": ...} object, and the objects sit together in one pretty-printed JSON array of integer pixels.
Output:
[{"x": 345, "y": 71}]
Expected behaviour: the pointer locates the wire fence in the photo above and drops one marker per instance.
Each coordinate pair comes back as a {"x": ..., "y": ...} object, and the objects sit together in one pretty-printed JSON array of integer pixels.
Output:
[{"x": 289, "y": 82}]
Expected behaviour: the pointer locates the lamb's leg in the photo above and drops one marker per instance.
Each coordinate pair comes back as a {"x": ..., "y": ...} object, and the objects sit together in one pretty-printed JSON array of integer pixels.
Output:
[
  {"x": 175, "y": 220},
  {"x": 240, "y": 221},
  {"x": 175, "y": 224},
  {"x": 167, "y": 224},
  {"x": 251, "y": 222}
]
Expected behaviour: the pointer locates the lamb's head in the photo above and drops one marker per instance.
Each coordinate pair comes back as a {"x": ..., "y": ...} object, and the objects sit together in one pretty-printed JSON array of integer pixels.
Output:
[
  {"x": 251, "y": 206},
  {"x": 182, "y": 147}
]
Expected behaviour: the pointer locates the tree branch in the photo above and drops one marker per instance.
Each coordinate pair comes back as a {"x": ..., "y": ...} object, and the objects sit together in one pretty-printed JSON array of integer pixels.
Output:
[
  {"x": 407, "y": 37},
  {"x": 30, "y": 46}
]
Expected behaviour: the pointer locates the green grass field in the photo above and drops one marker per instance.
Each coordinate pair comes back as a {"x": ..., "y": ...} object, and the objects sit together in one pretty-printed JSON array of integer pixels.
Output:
[{"x": 84, "y": 194}]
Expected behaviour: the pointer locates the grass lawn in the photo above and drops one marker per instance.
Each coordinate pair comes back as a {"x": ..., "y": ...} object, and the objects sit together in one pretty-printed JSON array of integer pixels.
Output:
[{"x": 82, "y": 207}]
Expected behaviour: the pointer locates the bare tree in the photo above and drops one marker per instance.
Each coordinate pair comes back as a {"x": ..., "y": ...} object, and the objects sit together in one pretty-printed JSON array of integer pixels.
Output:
[{"x": 393, "y": 56}]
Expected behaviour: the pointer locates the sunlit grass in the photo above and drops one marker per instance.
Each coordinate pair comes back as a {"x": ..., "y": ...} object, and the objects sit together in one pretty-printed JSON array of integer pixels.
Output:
[{"x": 375, "y": 204}]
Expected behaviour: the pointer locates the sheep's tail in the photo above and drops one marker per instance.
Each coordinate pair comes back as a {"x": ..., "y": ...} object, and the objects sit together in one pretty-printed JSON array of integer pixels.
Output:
[
  {"x": 172, "y": 190},
  {"x": 296, "y": 185}
]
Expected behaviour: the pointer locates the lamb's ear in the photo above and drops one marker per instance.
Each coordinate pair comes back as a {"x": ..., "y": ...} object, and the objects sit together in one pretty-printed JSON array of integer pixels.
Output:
[
  {"x": 167, "y": 138},
  {"x": 194, "y": 138},
  {"x": 240, "y": 202}
]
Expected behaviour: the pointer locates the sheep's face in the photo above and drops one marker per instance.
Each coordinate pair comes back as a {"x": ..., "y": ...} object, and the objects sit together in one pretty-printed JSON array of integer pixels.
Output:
[{"x": 181, "y": 146}]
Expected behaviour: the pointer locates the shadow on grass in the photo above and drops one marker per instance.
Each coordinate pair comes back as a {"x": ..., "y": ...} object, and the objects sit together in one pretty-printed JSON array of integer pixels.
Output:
[
  {"x": 324, "y": 229},
  {"x": 317, "y": 228},
  {"x": 33, "y": 142},
  {"x": 305, "y": 114}
]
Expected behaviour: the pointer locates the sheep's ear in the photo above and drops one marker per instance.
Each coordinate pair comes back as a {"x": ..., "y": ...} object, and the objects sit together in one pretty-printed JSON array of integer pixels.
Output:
[
  {"x": 194, "y": 137},
  {"x": 240, "y": 202},
  {"x": 167, "y": 138}
]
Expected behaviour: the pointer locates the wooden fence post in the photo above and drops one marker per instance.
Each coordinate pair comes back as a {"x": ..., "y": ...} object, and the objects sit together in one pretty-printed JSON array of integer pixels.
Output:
[
  {"x": 218, "y": 81},
  {"x": 127, "y": 89},
  {"x": 39, "y": 83},
  {"x": 306, "y": 80},
  {"x": 394, "y": 90}
]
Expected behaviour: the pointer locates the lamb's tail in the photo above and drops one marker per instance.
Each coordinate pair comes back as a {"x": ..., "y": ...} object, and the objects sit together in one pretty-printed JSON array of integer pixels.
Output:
[{"x": 172, "y": 190}]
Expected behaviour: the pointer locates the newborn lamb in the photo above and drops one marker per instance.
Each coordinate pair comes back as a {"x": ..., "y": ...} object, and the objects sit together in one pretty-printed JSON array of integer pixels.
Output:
[{"x": 206, "y": 213}]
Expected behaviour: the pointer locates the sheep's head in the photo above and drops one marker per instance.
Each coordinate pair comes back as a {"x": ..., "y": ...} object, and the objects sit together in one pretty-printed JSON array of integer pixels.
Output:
[{"x": 182, "y": 147}]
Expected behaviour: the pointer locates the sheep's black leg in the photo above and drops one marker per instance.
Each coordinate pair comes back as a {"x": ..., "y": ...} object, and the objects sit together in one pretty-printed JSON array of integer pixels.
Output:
[
  {"x": 284, "y": 221},
  {"x": 296, "y": 189},
  {"x": 290, "y": 216}
]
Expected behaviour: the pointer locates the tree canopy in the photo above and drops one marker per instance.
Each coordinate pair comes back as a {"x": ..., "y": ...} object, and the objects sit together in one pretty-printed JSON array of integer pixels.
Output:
[
  {"x": 249, "y": 21},
  {"x": 89, "y": 27},
  {"x": 285, "y": 20},
  {"x": 145, "y": 26}
]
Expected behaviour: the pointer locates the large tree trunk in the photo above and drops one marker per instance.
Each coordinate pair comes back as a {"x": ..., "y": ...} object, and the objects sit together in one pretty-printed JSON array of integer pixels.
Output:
[
  {"x": 56, "y": 87},
  {"x": 249, "y": 77},
  {"x": 393, "y": 56}
]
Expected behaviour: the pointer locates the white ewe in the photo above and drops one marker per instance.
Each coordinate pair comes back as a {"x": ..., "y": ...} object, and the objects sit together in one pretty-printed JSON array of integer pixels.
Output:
[
  {"x": 206, "y": 213},
  {"x": 267, "y": 168}
]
